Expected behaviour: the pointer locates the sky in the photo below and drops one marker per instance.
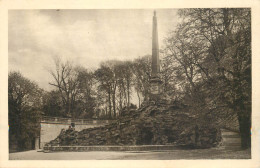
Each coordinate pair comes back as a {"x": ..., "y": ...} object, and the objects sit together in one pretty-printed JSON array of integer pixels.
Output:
[{"x": 84, "y": 37}]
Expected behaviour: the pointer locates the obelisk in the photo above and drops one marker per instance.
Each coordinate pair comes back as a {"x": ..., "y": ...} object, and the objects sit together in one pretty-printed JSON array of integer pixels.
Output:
[{"x": 155, "y": 82}]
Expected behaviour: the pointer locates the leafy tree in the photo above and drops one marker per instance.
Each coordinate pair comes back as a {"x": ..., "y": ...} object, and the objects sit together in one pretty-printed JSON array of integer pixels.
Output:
[
  {"x": 86, "y": 100},
  {"x": 142, "y": 73},
  {"x": 127, "y": 77},
  {"x": 52, "y": 104},
  {"x": 115, "y": 81},
  {"x": 124, "y": 74},
  {"x": 212, "y": 47},
  {"x": 24, "y": 104},
  {"x": 107, "y": 82},
  {"x": 168, "y": 76}
]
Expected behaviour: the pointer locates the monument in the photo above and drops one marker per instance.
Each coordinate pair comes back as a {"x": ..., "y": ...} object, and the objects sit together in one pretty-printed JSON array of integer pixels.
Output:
[
  {"x": 155, "y": 81},
  {"x": 153, "y": 126}
]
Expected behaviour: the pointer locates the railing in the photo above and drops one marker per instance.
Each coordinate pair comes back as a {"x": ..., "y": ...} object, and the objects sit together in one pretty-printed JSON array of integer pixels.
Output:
[{"x": 60, "y": 120}]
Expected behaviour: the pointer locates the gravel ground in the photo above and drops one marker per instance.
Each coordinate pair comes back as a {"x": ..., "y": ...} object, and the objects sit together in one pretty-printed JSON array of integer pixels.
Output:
[
  {"x": 216, "y": 153},
  {"x": 229, "y": 150}
]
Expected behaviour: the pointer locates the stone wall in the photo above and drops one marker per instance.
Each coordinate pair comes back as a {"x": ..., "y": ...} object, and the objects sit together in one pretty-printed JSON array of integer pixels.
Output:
[{"x": 51, "y": 127}]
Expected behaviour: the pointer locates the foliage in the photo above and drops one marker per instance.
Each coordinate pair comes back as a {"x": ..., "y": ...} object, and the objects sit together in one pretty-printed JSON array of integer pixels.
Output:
[
  {"x": 52, "y": 104},
  {"x": 24, "y": 101},
  {"x": 142, "y": 73},
  {"x": 211, "y": 50},
  {"x": 115, "y": 80}
]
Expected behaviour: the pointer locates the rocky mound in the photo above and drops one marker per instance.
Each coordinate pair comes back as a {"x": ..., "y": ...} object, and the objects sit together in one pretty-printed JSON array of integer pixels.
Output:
[{"x": 159, "y": 124}]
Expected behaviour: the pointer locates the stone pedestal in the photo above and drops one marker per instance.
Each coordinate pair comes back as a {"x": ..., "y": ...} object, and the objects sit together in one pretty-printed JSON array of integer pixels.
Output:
[{"x": 155, "y": 89}]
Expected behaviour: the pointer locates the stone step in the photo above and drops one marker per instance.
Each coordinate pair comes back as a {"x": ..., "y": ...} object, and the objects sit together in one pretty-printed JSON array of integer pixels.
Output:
[
  {"x": 228, "y": 133},
  {"x": 110, "y": 148},
  {"x": 231, "y": 136},
  {"x": 230, "y": 143},
  {"x": 230, "y": 139}
]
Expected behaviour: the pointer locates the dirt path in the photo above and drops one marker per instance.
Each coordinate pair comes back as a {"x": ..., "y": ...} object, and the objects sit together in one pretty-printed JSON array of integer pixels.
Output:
[
  {"x": 170, "y": 155},
  {"x": 229, "y": 150}
]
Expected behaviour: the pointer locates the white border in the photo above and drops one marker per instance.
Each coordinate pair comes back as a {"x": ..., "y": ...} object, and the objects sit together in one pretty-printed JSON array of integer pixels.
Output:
[{"x": 129, "y": 4}]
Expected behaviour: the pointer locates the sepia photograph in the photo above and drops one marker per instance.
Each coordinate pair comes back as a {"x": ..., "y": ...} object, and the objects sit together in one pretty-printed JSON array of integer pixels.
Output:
[{"x": 130, "y": 84}]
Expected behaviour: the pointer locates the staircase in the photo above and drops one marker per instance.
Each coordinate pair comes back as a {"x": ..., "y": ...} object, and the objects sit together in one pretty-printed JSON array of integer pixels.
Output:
[{"x": 231, "y": 140}]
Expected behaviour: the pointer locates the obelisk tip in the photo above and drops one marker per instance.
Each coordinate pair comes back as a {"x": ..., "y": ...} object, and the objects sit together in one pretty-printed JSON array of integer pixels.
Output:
[{"x": 154, "y": 13}]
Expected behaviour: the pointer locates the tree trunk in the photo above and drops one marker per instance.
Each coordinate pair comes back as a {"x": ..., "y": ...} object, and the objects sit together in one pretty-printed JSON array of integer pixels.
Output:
[
  {"x": 120, "y": 102},
  {"x": 114, "y": 103},
  {"x": 106, "y": 112},
  {"x": 109, "y": 105},
  {"x": 128, "y": 94},
  {"x": 243, "y": 112},
  {"x": 244, "y": 120},
  {"x": 244, "y": 116},
  {"x": 139, "y": 101},
  {"x": 125, "y": 95}
]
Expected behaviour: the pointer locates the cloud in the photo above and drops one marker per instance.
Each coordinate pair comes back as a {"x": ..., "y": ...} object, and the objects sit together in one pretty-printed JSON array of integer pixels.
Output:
[{"x": 86, "y": 37}]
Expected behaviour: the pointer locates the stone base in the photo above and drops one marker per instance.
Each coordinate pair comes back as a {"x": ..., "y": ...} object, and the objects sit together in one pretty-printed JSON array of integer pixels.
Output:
[
  {"x": 109, "y": 148},
  {"x": 155, "y": 89}
]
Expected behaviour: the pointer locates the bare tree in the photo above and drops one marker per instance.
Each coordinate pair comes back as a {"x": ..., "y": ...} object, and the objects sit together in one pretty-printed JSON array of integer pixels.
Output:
[{"x": 66, "y": 81}]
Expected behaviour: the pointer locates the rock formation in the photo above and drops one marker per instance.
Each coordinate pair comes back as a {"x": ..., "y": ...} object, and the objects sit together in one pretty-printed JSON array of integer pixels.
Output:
[{"x": 152, "y": 124}]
